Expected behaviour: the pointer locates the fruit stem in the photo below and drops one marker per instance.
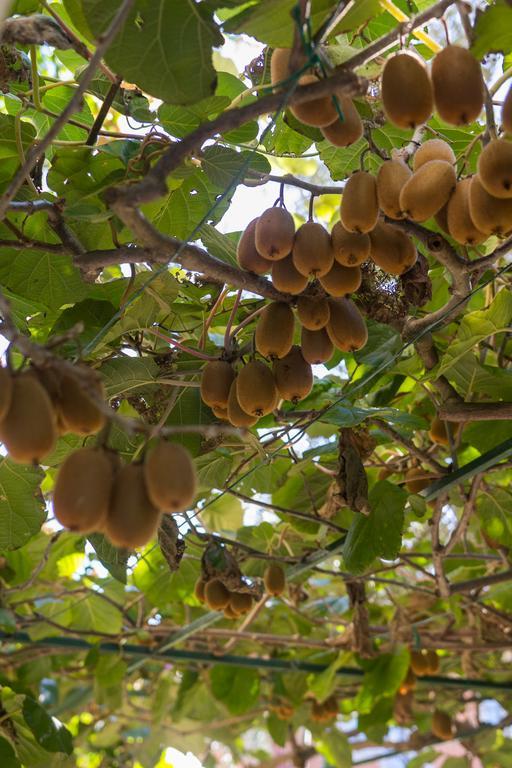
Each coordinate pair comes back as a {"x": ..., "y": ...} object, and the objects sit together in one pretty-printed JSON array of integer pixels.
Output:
[
  {"x": 222, "y": 295},
  {"x": 178, "y": 345},
  {"x": 311, "y": 206},
  {"x": 228, "y": 338},
  {"x": 247, "y": 320}
]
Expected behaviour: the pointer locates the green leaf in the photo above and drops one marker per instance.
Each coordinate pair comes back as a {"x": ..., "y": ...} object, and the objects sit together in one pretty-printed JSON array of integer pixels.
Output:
[
  {"x": 477, "y": 326},
  {"x": 165, "y": 48},
  {"x": 494, "y": 506},
  {"x": 112, "y": 558},
  {"x": 124, "y": 375},
  {"x": 109, "y": 673},
  {"x": 8, "y": 757},
  {"x": 22, "y": 510},
  {"x": 220, "y": 245},
  {"x": 379, "y": 534},
  {"x": 382, "y": 678},
  {"x": 237, "y": 687},
  {"x": 224, "y": 166},
  {"x": 278, "y": 729},
  {"x": 334, "y": 746},
  {"x": 351, "y": 416},
  {"x": 223, "y": 514},
  {"x": 322, "y": 684},
  {"x": 48, "y": 731},
  {"x": 493, "y": 30},
  {"x": 9, "y": 155}
]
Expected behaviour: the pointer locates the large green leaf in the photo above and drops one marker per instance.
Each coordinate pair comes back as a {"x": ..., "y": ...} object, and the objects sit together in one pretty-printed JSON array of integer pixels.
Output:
[
  {"x": 22, "y": 510},
  {"x": 48, "y": 732},
  {"x": 335, "y": 747},
  {"x": 238, "y": 688},
  {"x": 380, "y": 533},
  {"x": 113, "y": 558},
  {"x": 492, "y": 30},
  {"x": 8, "y": 757},
  {"x": 382, "y": 678},
  {"x": 495, "y": 510},
  {"x": 9, "y": 152},
  {"x": 165, "y": 48}
]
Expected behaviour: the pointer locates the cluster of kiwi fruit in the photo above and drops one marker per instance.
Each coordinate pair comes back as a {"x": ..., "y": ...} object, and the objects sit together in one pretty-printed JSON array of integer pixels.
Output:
[
  {"x": 322, "y": 712},
  {"x": 335, "y": 114},
  {"x": 217, "y": 596},
  {"x": 95, "y": 492},
  {"x": 37, "y": 405}
]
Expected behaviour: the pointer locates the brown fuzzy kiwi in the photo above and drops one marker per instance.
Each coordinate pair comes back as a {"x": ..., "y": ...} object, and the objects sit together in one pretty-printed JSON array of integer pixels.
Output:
[
  {"x": 346, "y": 327},
  {"x": 495, "y": 168},
  {"x": 416, "y": 479},
  {"x": 274, "y": 330},
  {"x": 442, "y": 726},
  {"x": 317, "y": 112},
  {"x": 350, "y": 249},
  {"x": 199, "y": 590},
  {"x": 458, "y": 85},
  {"x": 392, "y": 249},
  {"x": 341, "y": 280},
  {"x": 433, "y": 149},
  {"x": 316, "y": 346},
  {"x": 246, "y": 253},
  {"x": 331, "y": 707},
  {"x": 29, "y": 428},
  {"x": 293, "y": 376},
  {"x": 458, "y": 218},
  {"x": 359, "y": 208},
  {"x": 419, "y": 663},
  {"x": 77, "y": 412},
  {"x": 407, "y": 95},
  {"x": 6, "y": 388},
  {"x": 216, "y": 379},
  {"x": 256, "y": 389},
  {"x": 433, "y": 662},
  {"x": 236, "y": 415},
  {"x": 312, "y": 252},
  {"x": 132, "y": 519},
  {"x": 492, "y": 215},
  {"x": 280, "y": 64},
  {"x": 274, "y": 233},
  {"x": 506, "y": 112},
  {"x": 82, "y": 490},
  {"x": 392, "y": 176},
  {"x": 229, "y": 613},
  {"x": 240, "y": 602},
  {"x": 441, "y": 218},
  {"x": 313, "y": 312},
  {"x": 428, "y": 190},
  {"x": 274, "y": 580},
  {"x": 220, "y": 412},
  {"x": 170, "y": 476},
  {"x": 216, "y": 595},
  {"x": 439, "y": 431},
  {"x": 286, "y": 277},
  {"x": 344, "y": 133}
]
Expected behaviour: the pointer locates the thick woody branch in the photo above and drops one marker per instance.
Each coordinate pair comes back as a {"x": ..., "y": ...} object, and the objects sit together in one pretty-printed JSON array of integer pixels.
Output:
[
  {"x": 421, "y": 455},
  {"x": 256, "y": 179},
  {"x": 475, "y": 411}
]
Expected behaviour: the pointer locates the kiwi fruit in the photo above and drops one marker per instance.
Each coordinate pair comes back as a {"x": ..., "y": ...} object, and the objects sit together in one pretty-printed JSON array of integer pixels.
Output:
[
  {"x": 359, "y": 208},
  {"x": 416, "y": 479},
  {"x": 331, "y": 707},
  {"x": 419, "y": 663},
  {"x": 240, "y": 602},
  {"x": 246, "y": 253},
  {"x": 458, "y": 85},
  {"x": 77, "y": 412},
  {"x": 407, "y": 95},
  {"x": 442, "y": 726},
  {"x": 236, "y": 415},
  {"x": 506, "y": 112},
  {"x": 220, "y": 412},
  {"x": 408, "y": 683},
  {"x": 346, "y": 327},
  {"x": 293, "y": 376},
  {"x": 392, "y": 249},
  {"x": 433, "y": 662},
  {"x": 280, "y": 64},
  {"x": 216, "y": 595},
  {"x": 274, "y": 580},
  {"x": 274, "y": 233},
  {"x": 170, "y": 476},
  {"x": 343, "y": 133},
  {"x": 5, "y": 391},
  {"x": 132, "y": 520},
  {"x": 428, "y": 190},
  {"x": 458, "y": 218},
  {"x": 29, "y": 428},
  {"x": 341, "y": 280},
  {"x": 495, "y": 168},
  {"x": 256, "y": 389},
  {"x": 199, "y": 589},
  {"x": 82, "y": 490},
  {"x": 439, "y": 431},
  {"x": 216, "y": 379},
  {"x": 229, "y": 613},
  {"x": 350, "y": 249},
  {"x": 392, "y": 176},
  {"x": 312, "y": 252},
  {"x": 286, "y": 277},
  {"x": 317, "y": 112},
  {"x": 316, "y": 346},
  {"x": 313, "y": 312},
  {"x": 492, "y": 215},
  {"x": 433, "y": 149},
  {"x": 441, "y": 218},
  {"x": 274, "y": 330}
]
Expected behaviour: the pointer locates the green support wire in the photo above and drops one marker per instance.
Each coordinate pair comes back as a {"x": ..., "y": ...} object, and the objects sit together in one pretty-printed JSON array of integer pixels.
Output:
[{"x": 272, "y": 665}]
